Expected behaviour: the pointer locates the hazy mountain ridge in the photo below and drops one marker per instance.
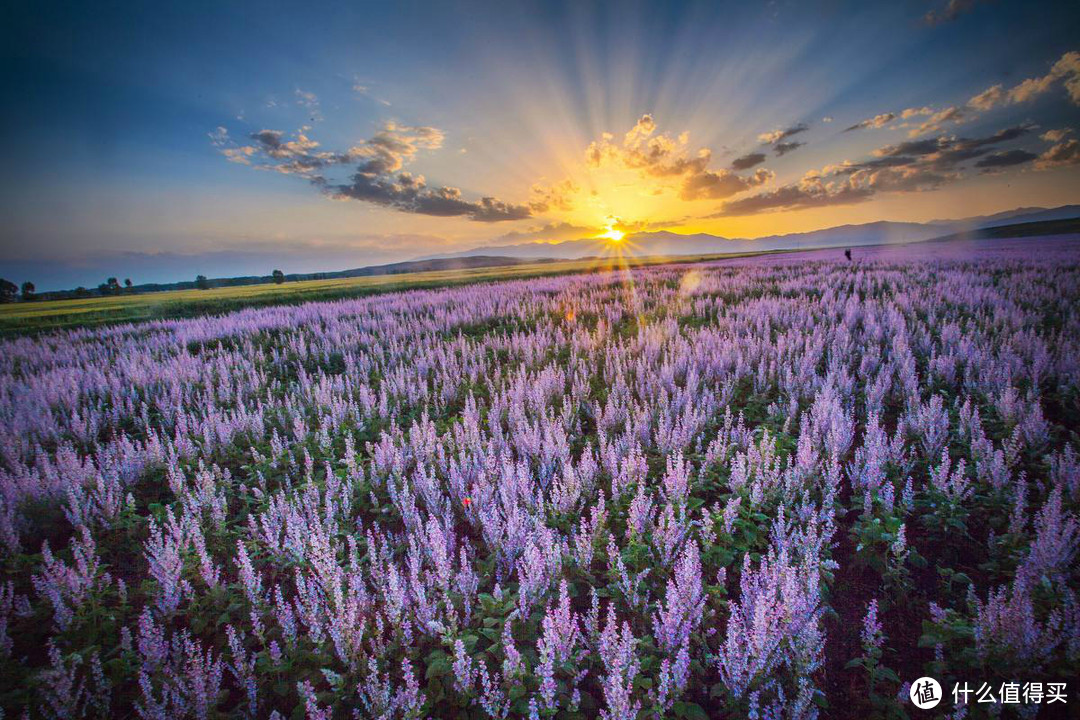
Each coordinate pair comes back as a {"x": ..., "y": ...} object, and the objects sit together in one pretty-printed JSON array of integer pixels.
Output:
[
  {"x": 661, "y": 243},
  {"x": 669, "y": 243}
]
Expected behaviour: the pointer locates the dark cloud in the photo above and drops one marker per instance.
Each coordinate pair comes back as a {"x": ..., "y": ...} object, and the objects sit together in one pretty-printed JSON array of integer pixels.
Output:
[
  {"x": 911, "y": 166},
  {"x": 910, "y": 147},
  {"x": 942, "y": 153},
  {"x": 1006, "y": 158},
  {"x": 794, "y": 197},
  {"x": 410, "y": 193},
  {"x": 786, "y": 147},
  {"x": 1066, "y": 152},
  {"x": 747, "y": 161},
  {"x": 379, "y": 178},
  {"x": 776, "y": 136},
  {"x": 720, "y": 184}
]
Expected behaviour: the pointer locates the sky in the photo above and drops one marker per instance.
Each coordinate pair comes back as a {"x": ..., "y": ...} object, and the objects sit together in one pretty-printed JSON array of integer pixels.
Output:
[{"x": 160, "y": 140}]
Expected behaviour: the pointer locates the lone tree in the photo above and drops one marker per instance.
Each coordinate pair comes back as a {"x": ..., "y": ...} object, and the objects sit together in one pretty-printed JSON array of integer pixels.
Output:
[
  {"x": 127, "y": 283},
  {"x": 28, "y": 290},
  {"x": 201, "y": 282},
  {"x": 7, "y": 291},
  {"x": 279, "y": 277}
]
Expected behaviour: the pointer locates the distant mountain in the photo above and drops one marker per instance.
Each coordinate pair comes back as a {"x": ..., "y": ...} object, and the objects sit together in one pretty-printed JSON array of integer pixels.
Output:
[
  {"x": 1019, "y": 222},
  {"x": 669, "y": 243},
  {"x": 1019, "y": 215}
]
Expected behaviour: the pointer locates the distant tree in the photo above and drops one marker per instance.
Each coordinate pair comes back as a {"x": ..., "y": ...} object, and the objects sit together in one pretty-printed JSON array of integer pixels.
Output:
[
  {"x": 81, "y": 292},
  {"x": 202, "y": 283},
  {"x": 8, "y": 290},
  {"x": 127, "y": 283},
  {"x": 28, "y": 290},
  {"x": 279, "y": 277},
  {"x": 109, "y": 287}
]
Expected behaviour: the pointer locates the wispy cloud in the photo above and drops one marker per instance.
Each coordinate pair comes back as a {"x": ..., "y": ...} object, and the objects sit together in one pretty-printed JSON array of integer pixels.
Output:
[
  {"x": 949, "y": 11},
  {"x": 310, "y": 101},
  {"x": 364, "y": 90}
]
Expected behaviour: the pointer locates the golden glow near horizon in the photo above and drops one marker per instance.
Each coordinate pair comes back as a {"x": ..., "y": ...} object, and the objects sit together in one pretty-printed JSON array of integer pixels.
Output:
[{"x": 612, "y": 233}]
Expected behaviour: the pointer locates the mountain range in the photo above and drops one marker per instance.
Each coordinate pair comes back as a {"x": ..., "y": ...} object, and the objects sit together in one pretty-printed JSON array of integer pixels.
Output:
[
  {"x": 669, "y": 243},
  {"x": 1012, "y": 223}
]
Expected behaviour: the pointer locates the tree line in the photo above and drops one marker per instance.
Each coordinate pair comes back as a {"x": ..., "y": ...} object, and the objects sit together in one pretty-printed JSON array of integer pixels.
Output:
[{"x": 27, "y": 292}]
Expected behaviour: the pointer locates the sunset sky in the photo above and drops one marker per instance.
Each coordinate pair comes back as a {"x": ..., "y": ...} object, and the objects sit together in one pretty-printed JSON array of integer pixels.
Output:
[{"x": 157, "y": 140}]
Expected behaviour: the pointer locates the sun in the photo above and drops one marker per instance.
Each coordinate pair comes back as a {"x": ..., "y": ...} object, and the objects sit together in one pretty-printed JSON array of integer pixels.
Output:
[{"x": 612, "y": 233}]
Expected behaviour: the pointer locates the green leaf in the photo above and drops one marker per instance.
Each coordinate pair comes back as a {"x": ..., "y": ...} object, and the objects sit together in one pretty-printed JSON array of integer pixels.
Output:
[
  {"x": 689, "y": 710},
  {"x": 438, "y": 668},
  {"x": 888, "y": 674}
]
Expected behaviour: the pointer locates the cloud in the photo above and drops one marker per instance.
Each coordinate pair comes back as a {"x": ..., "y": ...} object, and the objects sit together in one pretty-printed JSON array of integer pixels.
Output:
[
  {"x": 721, "y": 184},
  {"x": 1064, "y": 153},
  {"x": 909, "y": 166},
  {"x": 883, "y": 119},
  {"x": 1065, "y": 70},
  {"x": 916, "y": 112},
  {"x": 875, "y": 122},
  {"x": 938, "y": 119},
  {"x": 664, "y": 156},
  {"x": 827, "y": 119},
  {"x": 555, "y": 197},
  {"x": 786, "y": 147},
  {"x": 988, "y": 98},
  {"x": 361, "y": 89},
  {"x": 910, "y": 147},
  {"x": 747, "y": 161},
  {"x": 942, "y": 153},
  {"x": 1056, "y": 136},
  {"x": 271, "y": 150},
  {"x": 774, "y": 137},
  {"x": 1006, "y": 158},
  {"x": 949, "y": 12},
  {"x": 811, "y": 191},
  {"x": 379, "y": 177},
  {"x": 410, "y": 193},
  {"x": 551, "y": 232}
]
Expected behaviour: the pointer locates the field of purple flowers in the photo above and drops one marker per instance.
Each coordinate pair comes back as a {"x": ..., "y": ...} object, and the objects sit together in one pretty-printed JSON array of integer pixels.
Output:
[{"x": 771, "y": 488}]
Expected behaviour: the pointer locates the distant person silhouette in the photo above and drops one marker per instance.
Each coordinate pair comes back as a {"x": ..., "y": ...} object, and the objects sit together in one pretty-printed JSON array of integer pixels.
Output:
[{"x": 847, "y": 253}]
